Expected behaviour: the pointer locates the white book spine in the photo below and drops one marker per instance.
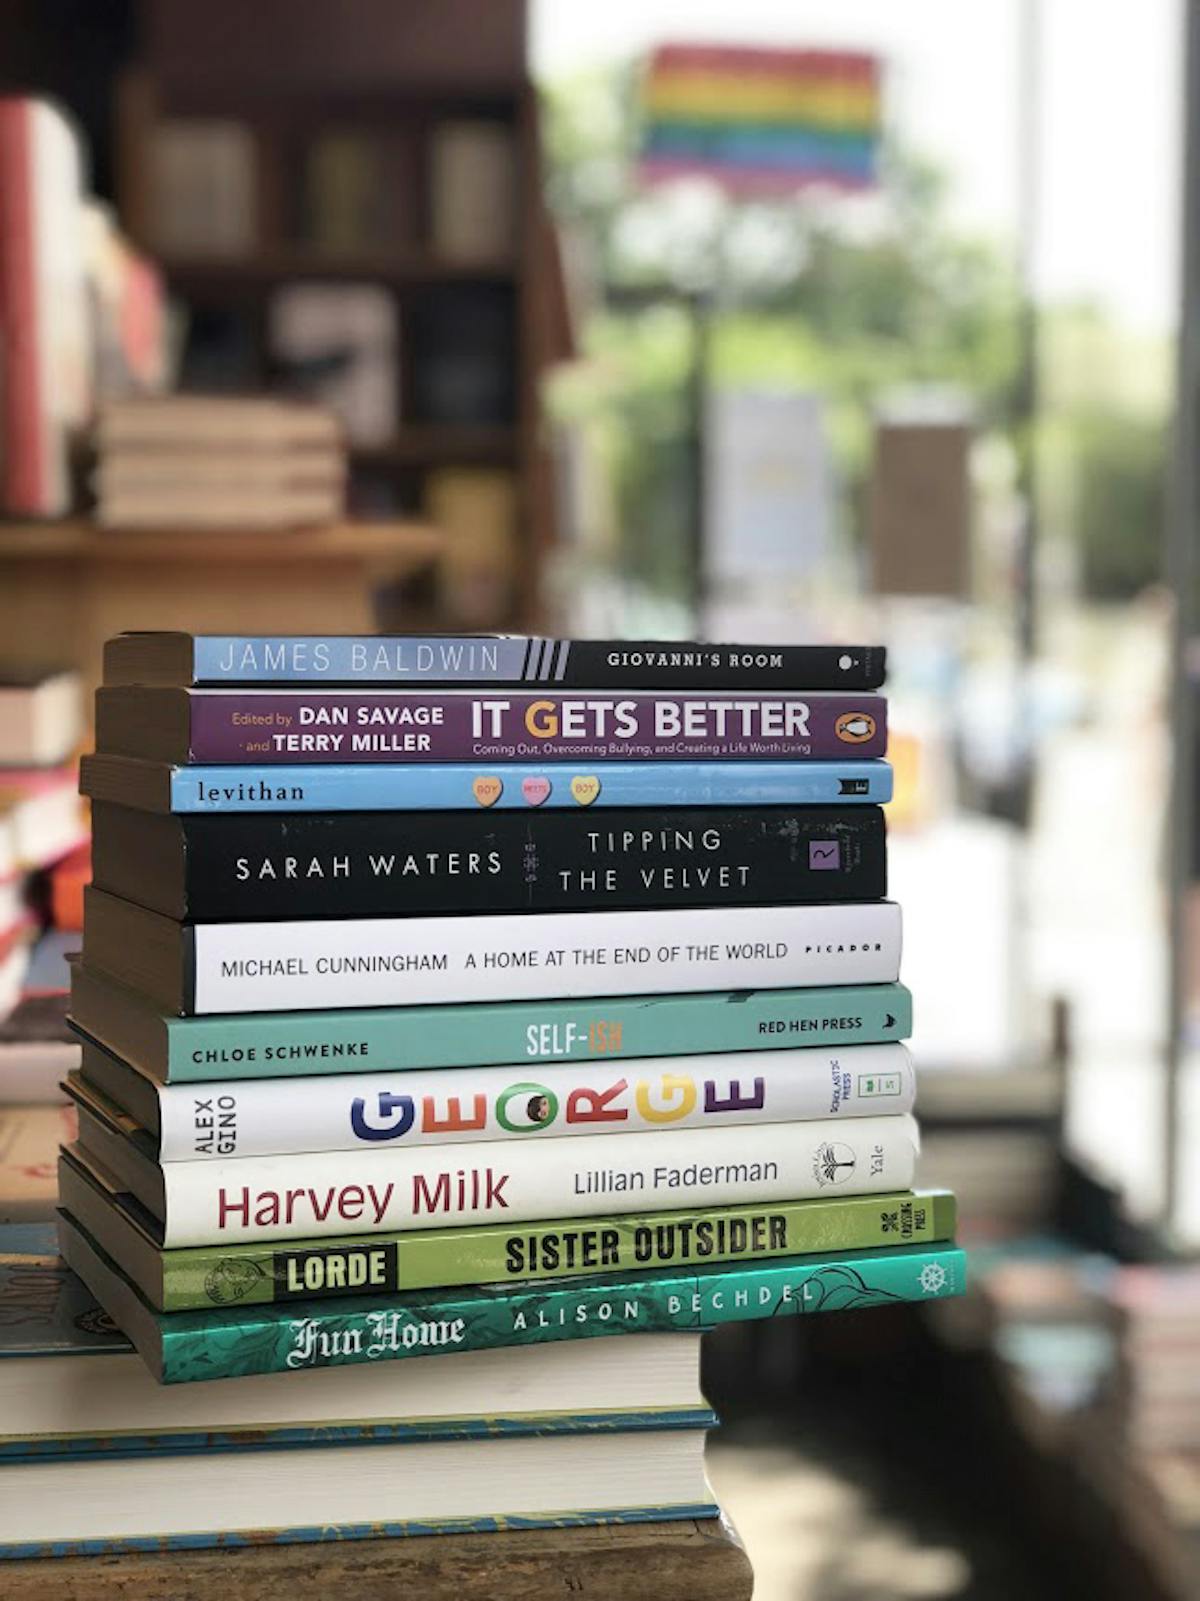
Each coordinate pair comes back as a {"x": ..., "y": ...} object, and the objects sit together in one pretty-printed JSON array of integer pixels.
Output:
[
  {"x": 396, "y": 1111},
  {"x": 296, "y": 1197},
  {"x": 337, "y": 963}
]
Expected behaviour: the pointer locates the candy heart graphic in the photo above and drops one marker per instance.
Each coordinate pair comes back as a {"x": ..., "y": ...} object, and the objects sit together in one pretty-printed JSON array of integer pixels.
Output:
[
  {"x": 585, "y": 790},
  {"x": 487, "y": 791},
  {"x": 535, "y": 790}
]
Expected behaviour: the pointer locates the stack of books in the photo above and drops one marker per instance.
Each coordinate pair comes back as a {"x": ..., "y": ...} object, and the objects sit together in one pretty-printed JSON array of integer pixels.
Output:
[
  {"x": 217, "y": 462},
  {"x": 464, "y": 1022}
]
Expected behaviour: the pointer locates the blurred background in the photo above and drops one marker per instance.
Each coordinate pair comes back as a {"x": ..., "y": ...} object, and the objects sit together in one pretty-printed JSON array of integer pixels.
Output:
[{"x": 546, "y": 334}]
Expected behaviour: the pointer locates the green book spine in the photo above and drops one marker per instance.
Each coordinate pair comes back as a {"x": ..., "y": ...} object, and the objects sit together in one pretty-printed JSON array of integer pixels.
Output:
[
  {"x": 263, "y": 1045},
  {"x": 257, "y": 1274}
]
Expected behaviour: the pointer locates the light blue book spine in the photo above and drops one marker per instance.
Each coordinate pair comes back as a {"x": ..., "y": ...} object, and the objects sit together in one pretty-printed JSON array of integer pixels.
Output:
[
  {"x": 362, "y": 658},
  {"x": 511, "y": 786},
  {"x": 375, "y": 1431}
]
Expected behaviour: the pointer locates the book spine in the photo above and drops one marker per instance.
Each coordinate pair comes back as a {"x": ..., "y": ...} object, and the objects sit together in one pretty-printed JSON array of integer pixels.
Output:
[
  {"x": 367, "y": 1112},
  {"x": 504, "y": 786},
  {"x": 452, "y": 726},
  {"x": 292, "y": 1044},
  {"x": 210, "y": 1345},
  {"x": 204, "y": 1277},
  {"x": 382, "y": 1191},
  {"x": 312, "y": 966},
  {"x": 375, "y": 864},
  {"x": 501, "y": 660}
]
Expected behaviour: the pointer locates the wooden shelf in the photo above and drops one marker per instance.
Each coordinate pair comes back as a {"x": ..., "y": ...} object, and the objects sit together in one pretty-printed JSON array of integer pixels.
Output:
[
  {"x": 400, "y": 547},
  {"x": 70, "y": 585},
  {"x": 703, "y": 1560},
  {"x": 248, "y": 277},
  {"x": 423, "y": 444}
]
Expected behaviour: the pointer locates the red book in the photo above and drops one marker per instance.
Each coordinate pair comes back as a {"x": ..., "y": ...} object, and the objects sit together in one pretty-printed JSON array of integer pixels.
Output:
[{"x": 44, "y": 353}]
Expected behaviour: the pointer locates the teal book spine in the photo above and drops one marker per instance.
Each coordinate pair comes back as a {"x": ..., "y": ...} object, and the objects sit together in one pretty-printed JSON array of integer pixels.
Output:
[
  {"x": 317, "y": 1534},
  {"x": 289, "y": 1044},
  {"x": 190, "y": 1346}
]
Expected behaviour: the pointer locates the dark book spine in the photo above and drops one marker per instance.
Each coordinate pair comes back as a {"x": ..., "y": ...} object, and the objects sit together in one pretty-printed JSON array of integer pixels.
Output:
[
  {"x": 619, "y": 664},
  {"x": 375, "y": 864},
  {"x": 432, "y": 726}
]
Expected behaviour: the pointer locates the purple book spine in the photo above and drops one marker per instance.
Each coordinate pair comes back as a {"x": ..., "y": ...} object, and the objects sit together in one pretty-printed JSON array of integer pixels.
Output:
[{"x": 393, "y": 726}]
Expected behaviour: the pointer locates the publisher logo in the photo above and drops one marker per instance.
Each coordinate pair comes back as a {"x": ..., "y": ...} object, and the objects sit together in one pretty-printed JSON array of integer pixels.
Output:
[
  {"x": 833, "y": 1162},
  {"x": 231, "y": 1280},
  {"x": 855, "y": 728}
]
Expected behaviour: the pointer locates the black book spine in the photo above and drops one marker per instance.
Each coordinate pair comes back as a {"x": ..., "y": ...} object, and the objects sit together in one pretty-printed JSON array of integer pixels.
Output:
[
  {"x": 388, "y": 864},
  {"x": 619, "y": 664}
]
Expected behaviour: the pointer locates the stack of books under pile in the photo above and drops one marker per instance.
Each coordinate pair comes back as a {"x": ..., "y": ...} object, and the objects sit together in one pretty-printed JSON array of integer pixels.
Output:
[
  {"x": 464, "y": 1025},
  {"x": 217, "y": 462}
]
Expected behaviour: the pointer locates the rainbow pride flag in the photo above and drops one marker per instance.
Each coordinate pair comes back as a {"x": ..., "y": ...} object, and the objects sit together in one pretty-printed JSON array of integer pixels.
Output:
[{"x": 761, "y": 121}]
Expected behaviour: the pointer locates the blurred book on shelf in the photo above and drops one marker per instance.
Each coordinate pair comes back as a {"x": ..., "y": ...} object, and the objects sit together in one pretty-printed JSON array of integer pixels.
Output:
[
  {"x": 472, "y": 191},
  {"x": 45, "y": 350},
  {"x": 475, "y": 508},
  {"x": 202, "y": 187},
  {"x": 130, "y": 331},
  {"x": 82, "y": 314},
  {"x": 337, "y": 344},
  {"x": 68, "y": 881},
  {"x": 463, "y": 355},
  {"x": 41, "y": 818},
  {"x": 360, "y": 193},
  {"x": 41, "y": 718},
  {"x": 1161, "y": 1306},
  {"x": 219, "y": 350},
  {"x": 213, "y": 462}
]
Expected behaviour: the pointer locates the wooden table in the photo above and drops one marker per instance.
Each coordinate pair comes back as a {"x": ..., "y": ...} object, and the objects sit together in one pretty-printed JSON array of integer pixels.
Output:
[
  {"x": 66, "y": 587},
  {"x": 690, "y": 1561}
]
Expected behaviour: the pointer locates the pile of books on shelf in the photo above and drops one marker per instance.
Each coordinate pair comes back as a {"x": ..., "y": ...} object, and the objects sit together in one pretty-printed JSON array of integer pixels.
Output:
[
  {"x": 218, "y": 462},
  {"x": 42, "y": 826},
  {"x": 465, "y": 1022}
]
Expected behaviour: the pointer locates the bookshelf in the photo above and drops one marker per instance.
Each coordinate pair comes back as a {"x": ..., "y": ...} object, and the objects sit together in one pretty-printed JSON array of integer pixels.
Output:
[{"x": 336, "y": 135}]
